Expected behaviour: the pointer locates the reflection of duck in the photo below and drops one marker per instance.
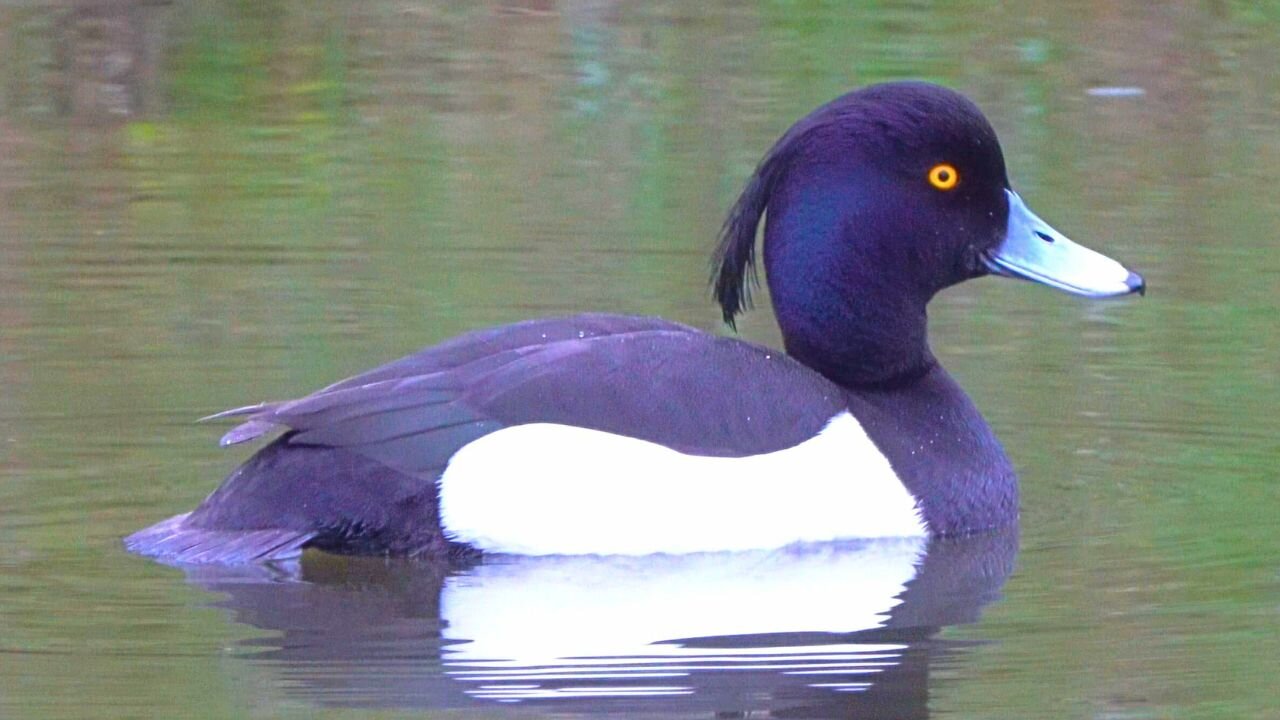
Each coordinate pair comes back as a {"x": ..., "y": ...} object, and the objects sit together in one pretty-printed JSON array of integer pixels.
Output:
[
  {"x": 624, "y": 435},
  {"x": 817, "y": 631}
]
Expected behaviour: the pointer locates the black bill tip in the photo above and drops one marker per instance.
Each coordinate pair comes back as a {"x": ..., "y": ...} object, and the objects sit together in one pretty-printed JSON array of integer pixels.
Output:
[{"x": 1136, "y": 284}]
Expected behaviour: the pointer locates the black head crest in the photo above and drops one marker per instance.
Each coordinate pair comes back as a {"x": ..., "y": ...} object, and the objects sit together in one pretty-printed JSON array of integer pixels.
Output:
[
  {"x": 733, "y": 273},
  {"x": 894, "y": 123}
]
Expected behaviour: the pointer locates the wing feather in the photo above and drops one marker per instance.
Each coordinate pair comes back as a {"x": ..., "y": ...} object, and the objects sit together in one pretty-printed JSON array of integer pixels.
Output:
[{"x": 641, "y": 377}]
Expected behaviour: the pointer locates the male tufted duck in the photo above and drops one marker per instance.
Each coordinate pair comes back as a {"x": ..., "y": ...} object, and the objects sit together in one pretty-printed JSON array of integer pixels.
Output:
[{"x": 629, "y": 435}]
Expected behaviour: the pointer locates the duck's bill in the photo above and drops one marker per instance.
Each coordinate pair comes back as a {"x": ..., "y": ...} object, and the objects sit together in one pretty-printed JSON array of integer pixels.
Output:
[{"x": 1033, "y": 250}]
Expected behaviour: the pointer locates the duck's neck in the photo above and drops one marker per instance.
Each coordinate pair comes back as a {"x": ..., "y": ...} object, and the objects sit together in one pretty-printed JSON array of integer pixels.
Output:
[
  {"x": 851, "y": 305},
  {"x": 852, "y": 310},
  {"x": 942, "y": 451},
  {"x": 858, "y": 345}
]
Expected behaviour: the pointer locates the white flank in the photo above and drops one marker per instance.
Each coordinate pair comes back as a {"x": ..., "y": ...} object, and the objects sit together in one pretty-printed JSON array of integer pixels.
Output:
[{"x": 547, "y": 489}]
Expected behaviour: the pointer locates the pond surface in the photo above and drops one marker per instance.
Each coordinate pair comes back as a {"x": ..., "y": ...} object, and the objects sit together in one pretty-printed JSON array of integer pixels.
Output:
[{"x": 209, "y": 204}]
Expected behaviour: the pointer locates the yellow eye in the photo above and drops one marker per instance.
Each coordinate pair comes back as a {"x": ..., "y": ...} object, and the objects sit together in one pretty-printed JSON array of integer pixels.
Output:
[{"x": 943, "y": 176}]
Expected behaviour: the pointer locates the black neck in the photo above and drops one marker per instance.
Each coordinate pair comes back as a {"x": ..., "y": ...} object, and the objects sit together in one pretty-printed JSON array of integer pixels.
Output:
[
  {"x": 943, "y": 451},
  {"x": 852, "y": 307},
  {"x": 852, "y": 310}
]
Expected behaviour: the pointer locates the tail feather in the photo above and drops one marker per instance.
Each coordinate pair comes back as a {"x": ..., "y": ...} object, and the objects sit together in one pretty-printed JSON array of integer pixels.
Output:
[{"x": 171, "y": 541}]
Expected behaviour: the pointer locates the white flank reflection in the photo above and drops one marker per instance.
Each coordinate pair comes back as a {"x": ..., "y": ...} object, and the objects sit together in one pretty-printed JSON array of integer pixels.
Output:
[{"x": 527, "y": 628}]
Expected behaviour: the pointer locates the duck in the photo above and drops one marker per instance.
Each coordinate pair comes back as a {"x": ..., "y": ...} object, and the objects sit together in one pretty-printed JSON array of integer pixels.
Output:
[{"x": 607, "y": 434}]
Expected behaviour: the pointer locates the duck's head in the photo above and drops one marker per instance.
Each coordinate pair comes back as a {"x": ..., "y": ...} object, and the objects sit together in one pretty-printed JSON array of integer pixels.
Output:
[{"x": 875, "y": 202}]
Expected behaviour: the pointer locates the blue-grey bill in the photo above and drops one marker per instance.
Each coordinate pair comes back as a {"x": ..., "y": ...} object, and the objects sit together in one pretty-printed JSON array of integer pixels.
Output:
[{"x": 1033, "y": 250}]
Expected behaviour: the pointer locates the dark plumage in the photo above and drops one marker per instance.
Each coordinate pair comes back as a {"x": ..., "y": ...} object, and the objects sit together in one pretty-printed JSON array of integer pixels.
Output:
[{"x": 856, "y": 242}]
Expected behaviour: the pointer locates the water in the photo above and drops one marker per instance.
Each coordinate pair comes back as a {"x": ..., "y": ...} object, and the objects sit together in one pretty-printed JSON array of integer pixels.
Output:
[{"x": 208, "y": 204}]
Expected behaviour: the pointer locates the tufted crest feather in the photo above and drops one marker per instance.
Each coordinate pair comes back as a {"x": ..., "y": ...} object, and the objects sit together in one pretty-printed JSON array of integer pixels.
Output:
[
  {"x": 733, "y": 265},
  {"x": 734, "y": 273}
]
